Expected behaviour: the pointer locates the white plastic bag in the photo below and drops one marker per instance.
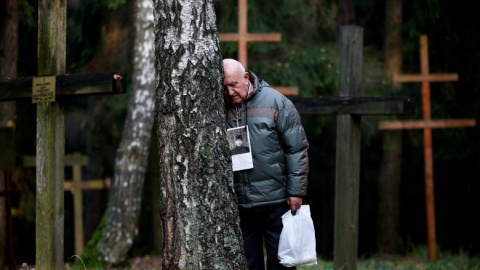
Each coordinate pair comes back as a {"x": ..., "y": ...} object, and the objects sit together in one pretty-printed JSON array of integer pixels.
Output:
[{"x": 297, "y": 240}]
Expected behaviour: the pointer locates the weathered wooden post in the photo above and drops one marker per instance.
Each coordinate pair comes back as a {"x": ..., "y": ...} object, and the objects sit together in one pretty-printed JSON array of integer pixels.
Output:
[
  {"x": 347, "y": 168},
  {"x": 52, "y": 16}
]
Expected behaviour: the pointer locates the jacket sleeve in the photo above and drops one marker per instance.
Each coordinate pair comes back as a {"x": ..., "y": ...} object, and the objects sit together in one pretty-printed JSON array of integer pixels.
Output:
[{"x": 295, "y": 145}]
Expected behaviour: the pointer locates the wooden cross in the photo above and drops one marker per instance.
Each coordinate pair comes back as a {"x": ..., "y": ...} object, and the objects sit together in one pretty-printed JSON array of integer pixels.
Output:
[
  {"x": 66, "y": 85},
  {"x": 50, "y": 154},
  {"x": 76, "y": 186},
  {"x": 427, "y": 124},
  {"x": 243, "y": 37},
  {"x": 349, "y": 107}
]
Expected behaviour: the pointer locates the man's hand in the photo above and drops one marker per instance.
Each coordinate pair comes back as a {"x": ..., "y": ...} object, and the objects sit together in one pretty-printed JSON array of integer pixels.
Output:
[{"x": 294, "y": 203}]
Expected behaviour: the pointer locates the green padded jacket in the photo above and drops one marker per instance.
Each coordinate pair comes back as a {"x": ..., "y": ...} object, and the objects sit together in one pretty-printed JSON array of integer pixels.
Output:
[{"x": 279, "y": 147}]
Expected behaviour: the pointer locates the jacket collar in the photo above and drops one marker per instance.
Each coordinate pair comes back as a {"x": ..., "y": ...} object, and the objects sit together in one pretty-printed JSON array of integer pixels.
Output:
[{"x": 255, "y": 81}]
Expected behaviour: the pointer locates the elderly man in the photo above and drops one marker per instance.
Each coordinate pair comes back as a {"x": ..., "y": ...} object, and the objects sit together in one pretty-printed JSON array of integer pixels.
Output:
[{"x": 278, "y": 180}]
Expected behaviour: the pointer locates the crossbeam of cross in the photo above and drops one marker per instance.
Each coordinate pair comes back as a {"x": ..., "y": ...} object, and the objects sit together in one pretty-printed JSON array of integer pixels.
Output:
[{"x": 87, "y": 84}]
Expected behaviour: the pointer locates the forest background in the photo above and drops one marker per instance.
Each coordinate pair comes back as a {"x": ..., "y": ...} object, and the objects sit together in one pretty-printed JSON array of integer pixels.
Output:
[{"x": 100, "y": 38}]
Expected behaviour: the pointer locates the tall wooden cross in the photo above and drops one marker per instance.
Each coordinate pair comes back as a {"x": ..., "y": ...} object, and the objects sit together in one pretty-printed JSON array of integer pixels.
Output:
[
  {"x": 51, "y": 125},
  {"x": 427, "y": 124},
  {"x": 243, "y": 37},
  {"x": 349, "y": 108}
]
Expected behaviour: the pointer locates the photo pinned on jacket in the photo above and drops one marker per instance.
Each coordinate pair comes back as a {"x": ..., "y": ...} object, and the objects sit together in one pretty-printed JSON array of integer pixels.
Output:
[{"x": 239, "y": 145}]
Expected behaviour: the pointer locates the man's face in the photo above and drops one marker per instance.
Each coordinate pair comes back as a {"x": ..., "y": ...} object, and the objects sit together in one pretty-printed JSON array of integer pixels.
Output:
[
  {"x": 238, "y": 143},
  {"x": 235, "y": 86}
]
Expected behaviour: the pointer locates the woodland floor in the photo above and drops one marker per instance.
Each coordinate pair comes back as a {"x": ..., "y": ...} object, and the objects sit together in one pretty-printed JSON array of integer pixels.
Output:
[
  {"x": 416, "y": 260},
  {"x": 450, "y": 262}
]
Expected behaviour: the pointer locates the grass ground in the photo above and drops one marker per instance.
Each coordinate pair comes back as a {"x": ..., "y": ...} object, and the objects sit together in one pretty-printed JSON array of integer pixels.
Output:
[{"x": 417, "y": 260}]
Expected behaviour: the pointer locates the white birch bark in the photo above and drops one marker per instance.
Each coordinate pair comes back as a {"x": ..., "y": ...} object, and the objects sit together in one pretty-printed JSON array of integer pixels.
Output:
[
  {"x": 121, "y": 224},
  {"x": 198, "y": 203}
]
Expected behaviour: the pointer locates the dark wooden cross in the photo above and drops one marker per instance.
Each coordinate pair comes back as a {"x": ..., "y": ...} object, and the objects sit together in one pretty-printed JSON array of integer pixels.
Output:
[
  {"x": 243, "y": 37},
  {"x": 349, "y": 107},
  {"x": 427, "y": 124},
  {"x": 51, "y": 125}
]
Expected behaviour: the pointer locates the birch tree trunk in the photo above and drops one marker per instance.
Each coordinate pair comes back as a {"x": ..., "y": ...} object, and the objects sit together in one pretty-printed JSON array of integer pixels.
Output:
[
  {"x": 389, "y": 239},
  {"x": 199, "y": 207},
  {"x": 8, "y": 69},
  {"x": 132, "y": 156}
]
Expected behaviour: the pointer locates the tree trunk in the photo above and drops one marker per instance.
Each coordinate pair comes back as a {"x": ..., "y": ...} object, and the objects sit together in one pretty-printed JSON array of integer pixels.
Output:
[
  {"x": 132, "y": 156},
  {"x": 8, "y": 69},
  {"x": 199, "y": 206},
  {"x": 347, "y": 12},
  {"x": 8, "y": 54},
  {"x": 8, "y": 39},
  {"x": 389, "y": 239}
]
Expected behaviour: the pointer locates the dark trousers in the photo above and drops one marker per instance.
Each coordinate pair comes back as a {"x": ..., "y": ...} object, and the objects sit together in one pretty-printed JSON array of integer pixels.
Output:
[{"x": 259, "y": 225}]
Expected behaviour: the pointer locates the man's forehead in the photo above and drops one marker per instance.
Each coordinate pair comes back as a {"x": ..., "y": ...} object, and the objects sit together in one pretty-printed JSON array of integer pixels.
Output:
[
  {"x": 230, "y": 80},
  {"x": 232, "y": 77}
]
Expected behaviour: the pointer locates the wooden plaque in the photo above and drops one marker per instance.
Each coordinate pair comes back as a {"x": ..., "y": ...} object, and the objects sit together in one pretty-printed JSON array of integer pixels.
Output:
[{"x": 43, "y": 89}]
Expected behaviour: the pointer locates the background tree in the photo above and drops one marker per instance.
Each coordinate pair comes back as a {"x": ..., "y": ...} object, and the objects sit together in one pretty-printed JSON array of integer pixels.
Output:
[
  {"x": 100, "y": 37},
  {"x": 8, "y": 69},
  {"x": 120, "y": 228},
  {"x": 199, "y": 207},
  {"x": 389, "y": 238}
]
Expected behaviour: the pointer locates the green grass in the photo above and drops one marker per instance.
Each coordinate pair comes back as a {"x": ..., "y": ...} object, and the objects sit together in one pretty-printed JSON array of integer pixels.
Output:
[{"x": 416, "y": 260}]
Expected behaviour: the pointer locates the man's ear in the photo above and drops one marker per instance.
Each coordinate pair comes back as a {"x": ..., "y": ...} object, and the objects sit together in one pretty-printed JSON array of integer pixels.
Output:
[{"x": 246, "y": 76}]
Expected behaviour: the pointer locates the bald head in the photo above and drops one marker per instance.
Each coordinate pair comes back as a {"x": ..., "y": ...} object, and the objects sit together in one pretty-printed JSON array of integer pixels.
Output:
[
  {"x": 232, "y": 66},
  {"x": 235, "y": 81}
]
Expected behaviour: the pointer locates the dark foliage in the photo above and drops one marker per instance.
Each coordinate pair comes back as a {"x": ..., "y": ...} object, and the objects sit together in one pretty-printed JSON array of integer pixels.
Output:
[{"x": 306, "y": 57}]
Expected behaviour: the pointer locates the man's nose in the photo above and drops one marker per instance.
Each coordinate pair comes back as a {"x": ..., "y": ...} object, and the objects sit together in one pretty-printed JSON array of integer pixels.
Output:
[{"x": 229, "y": 91}]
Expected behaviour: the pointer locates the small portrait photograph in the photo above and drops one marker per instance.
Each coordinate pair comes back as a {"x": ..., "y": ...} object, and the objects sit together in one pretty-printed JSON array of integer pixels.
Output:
[{"x": 238, "y": 141}]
